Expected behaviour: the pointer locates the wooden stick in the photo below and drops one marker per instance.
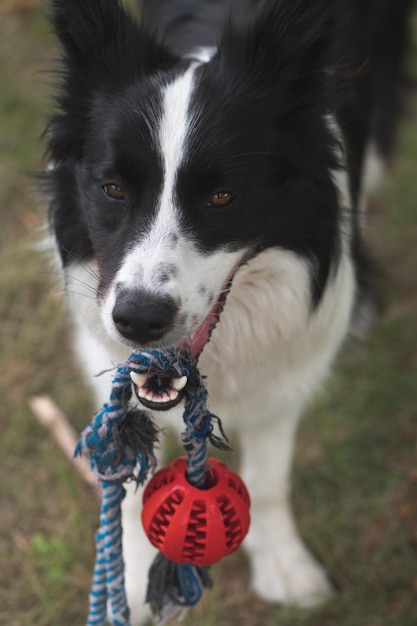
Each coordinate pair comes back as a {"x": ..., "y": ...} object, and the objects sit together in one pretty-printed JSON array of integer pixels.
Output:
[{"x": 51, "y": 416}]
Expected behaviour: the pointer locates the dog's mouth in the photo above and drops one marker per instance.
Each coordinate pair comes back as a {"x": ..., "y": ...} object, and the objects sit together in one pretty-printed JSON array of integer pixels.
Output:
[{"x": 161, "y": 393}]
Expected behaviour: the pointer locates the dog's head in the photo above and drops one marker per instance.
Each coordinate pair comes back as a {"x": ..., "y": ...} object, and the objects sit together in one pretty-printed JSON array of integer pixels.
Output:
[{"x": 170, "y": 172}]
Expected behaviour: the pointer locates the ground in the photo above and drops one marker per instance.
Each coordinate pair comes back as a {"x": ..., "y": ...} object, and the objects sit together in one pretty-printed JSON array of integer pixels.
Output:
[{"x": 355, "y": 479}]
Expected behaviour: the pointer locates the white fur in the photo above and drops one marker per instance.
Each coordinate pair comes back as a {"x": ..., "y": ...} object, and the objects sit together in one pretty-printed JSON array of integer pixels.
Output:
[
  {"x": 203, "y": 55},
  {"x": 283, "y": 356},
  {"x": 267, "y": 357},
  {"x": 174, "y": 127}
]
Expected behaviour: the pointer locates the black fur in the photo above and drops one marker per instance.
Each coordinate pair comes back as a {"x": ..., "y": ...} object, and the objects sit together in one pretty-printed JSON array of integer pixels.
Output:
[{"x": 281, "y": 67}]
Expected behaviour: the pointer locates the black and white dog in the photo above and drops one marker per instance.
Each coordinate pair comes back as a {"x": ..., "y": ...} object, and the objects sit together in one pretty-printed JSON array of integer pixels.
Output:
[{"x": 225, "y": 139}]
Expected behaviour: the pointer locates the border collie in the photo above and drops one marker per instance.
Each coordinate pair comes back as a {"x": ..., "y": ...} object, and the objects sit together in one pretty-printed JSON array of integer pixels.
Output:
[{"x": 225, "y": 142}]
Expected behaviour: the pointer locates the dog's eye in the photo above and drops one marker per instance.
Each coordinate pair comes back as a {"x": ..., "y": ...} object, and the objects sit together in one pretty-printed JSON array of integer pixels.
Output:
[
  {"x": 220, "y": 199},
  {"x": 113, "y": 191}
]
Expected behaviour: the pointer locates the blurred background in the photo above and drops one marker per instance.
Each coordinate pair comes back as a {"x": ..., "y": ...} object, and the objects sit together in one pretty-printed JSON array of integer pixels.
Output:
[{"x": 355, "y": 482}]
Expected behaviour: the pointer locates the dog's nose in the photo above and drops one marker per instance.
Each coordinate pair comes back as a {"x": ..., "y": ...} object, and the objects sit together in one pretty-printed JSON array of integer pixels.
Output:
[{"x": 142, "y": 317}]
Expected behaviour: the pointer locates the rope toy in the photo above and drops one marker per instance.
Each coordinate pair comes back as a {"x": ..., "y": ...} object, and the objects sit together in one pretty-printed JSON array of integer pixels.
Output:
[{"x": 195, "y": 511}]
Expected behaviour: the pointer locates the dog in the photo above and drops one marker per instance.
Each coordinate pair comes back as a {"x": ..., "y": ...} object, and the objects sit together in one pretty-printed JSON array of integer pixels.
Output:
[{"x": 225, "y": 147}]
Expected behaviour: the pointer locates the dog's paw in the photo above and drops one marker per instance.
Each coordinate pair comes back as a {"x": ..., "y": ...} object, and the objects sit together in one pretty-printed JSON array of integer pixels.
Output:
[{"x": 291, "y": 577}]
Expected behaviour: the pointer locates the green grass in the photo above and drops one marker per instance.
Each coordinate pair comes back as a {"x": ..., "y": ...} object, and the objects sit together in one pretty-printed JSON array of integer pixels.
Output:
[{"x": 355, "y": 481}]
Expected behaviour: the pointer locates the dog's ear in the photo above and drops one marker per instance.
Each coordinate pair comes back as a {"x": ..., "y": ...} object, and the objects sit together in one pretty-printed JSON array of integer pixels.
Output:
[
  {"x": 278, "y": 42},
  {"x": 100, "y": 38},
  {"x": 104, "y": 49}
]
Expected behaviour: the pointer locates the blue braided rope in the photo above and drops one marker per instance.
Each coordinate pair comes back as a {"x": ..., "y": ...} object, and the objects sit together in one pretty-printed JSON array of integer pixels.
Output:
[
  {"x": 108, "y": 589},
  {"x": 190, "y": 584},
  {"x": 197, "y": 421},
  {"x": 113, "y": 465}
]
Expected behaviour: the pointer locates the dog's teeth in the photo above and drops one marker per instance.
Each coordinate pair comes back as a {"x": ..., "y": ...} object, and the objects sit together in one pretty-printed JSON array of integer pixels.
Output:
[
  {"x": 161, "y": 399},
  {"x": 151, "y": 396},
  {"x": 138, "y": 379},
  {"x": 179, "y": 383}
]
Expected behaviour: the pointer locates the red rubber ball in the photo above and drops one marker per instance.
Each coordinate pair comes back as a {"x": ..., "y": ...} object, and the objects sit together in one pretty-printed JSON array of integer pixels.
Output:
[{"x": 196, "y": 526}]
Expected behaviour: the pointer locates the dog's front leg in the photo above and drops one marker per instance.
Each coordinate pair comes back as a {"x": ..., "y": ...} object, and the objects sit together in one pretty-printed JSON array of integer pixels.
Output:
[
  {"x": 283, "y": 570},
  {"x": 138, "y": 555}
]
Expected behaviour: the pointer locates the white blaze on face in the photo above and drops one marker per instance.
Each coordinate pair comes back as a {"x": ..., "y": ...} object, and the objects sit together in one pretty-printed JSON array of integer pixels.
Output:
[
  {"x": 192, "y": 273},
  {"x": 173, "y": 132},
  {"x": 155, "y": 247}
]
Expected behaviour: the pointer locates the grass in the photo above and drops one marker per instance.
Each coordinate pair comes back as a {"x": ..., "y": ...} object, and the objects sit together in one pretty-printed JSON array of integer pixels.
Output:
[{"x": 355, "y": 480}]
